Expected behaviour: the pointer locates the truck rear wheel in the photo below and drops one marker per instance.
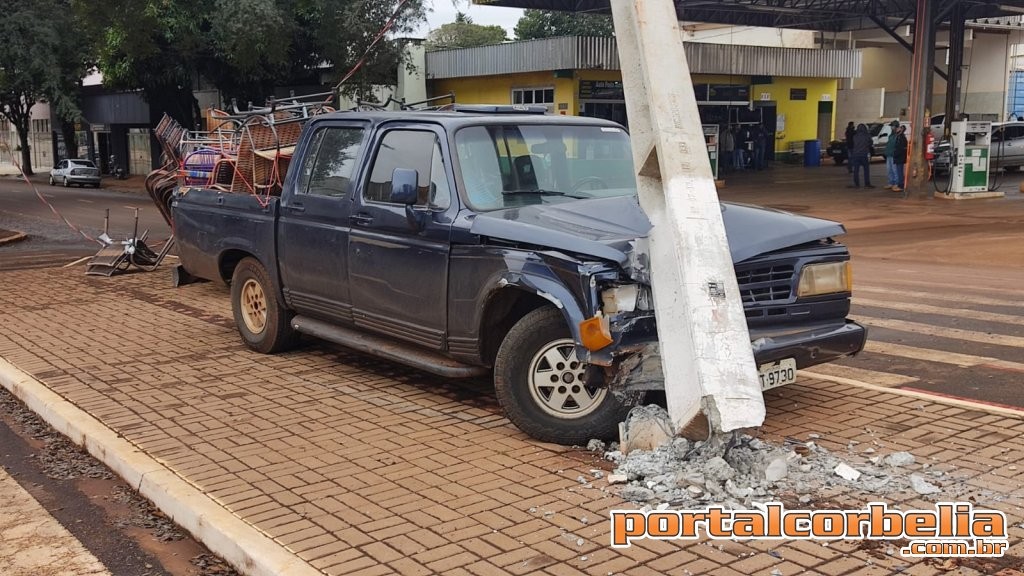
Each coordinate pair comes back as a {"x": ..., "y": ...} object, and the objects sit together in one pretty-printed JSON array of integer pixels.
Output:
[
  {"x": 538, "y": 381},
  {"x": 265, "y": 326}
]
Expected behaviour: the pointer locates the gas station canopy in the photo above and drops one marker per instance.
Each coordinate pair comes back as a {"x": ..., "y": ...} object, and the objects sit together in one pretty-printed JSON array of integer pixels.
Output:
[{"x": 824, "y": 15}]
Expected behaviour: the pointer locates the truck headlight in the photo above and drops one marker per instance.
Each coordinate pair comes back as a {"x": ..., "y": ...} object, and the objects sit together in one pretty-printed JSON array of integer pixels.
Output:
[{"x": 827, "y": 278}]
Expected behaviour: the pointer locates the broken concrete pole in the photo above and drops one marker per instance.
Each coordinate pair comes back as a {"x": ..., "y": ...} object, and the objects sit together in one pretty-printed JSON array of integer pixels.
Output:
[
  {"x": 645, "y": 428},
  {"x": 697, "y": 301}
]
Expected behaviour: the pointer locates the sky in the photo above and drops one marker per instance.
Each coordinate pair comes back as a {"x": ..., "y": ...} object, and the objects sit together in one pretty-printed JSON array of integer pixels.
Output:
[{"x": 444, "y": 12}]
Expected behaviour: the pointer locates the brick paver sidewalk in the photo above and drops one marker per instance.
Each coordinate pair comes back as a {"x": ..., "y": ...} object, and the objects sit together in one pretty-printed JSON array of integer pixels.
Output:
[{"x": 363, "y": 467}]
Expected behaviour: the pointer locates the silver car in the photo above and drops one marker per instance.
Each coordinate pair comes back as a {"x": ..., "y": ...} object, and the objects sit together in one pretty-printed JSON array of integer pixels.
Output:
[
  {"x": 80, "y": 172},
  {"x": 1006, "y": 148}
]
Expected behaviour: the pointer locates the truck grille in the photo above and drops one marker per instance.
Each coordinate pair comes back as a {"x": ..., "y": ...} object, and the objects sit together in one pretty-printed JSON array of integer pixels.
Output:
[{"x": 765, "y": 283}]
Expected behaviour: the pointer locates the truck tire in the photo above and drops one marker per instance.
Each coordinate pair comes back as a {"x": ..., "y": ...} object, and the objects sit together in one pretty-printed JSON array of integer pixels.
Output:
[
  {"x": 265, "y": 326},
  {"x": 537, "y": 381}
]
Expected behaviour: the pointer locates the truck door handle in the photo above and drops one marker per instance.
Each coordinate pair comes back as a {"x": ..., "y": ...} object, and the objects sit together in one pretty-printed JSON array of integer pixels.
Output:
[
  {"x": 361, "y": 219},
  {"x": 296, "y": 207}
]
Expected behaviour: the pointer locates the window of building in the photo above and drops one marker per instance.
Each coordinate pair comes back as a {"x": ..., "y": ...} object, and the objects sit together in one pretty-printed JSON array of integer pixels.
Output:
[
  {"x": 798, "y": 93},
  {"x": 328, "y": 168},
  {"x": 414, "y": 150},
  {"x": 533, "y": 96},
  {"x": 41, "y": 125}
]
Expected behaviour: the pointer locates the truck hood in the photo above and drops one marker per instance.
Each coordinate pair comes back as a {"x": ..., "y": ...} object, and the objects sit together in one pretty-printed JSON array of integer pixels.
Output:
[{"x": 606, "y": 227}]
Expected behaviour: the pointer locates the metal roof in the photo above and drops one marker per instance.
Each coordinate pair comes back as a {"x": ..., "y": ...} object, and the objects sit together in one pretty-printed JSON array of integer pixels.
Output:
[
  {"x": 825, "y": 15},
  {"x": 587, "y": 53}
]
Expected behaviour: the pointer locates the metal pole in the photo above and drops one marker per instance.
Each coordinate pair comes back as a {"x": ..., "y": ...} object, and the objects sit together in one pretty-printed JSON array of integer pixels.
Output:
[
  {"x": 956, "y": 61},
  {"x": 707, "y": 359},
  {"x": 920, "y": 93}
]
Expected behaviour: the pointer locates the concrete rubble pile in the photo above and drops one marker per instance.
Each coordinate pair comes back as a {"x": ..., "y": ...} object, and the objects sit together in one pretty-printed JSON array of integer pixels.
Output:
[{"x": 737, "y": 470}]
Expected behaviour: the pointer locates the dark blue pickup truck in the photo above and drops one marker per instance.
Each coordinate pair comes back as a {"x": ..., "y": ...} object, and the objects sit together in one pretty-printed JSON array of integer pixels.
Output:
[{"x": 470, "y": 244}]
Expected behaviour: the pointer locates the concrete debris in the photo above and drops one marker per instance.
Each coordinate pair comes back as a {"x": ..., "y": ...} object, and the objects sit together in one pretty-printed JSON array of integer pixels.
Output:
[
  {"x": 776, "y": 572},
  {"x": 595, "y": 445},
  {"x": 814, "y": 436},
  {"x": 584, "y": 520},
  {"x": 846, "y": 472},
  {"x": 580, "y": 542},
  {"x": 899, "y": 459},
  {"x": 618, "y": 478},
  {"x": 597, "y": 473},
  {"x": 736, "y": 470},
  {"x": 646, "y": 428},
  {"x": 776, "y": 469},
  {"x": 922, "y": 486}
]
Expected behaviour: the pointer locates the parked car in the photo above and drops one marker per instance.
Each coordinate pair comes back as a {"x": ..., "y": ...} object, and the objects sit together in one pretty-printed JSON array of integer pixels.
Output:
[
  {"x": 475, "y": 244},
  {"x": 80, "y": 172},
  {"x": 1006, "y": 148},
  {"x": 837, "y": 148}
]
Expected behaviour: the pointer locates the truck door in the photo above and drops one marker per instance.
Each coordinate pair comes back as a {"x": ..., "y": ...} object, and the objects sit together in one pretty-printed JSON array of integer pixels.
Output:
[
  {"x": 313, "y": 227},
  {"x": 398, "y": 271}
]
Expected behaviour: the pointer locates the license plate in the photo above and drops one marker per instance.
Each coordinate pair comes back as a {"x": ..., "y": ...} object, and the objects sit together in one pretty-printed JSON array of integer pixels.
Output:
[{"x": 777, "y": 374}]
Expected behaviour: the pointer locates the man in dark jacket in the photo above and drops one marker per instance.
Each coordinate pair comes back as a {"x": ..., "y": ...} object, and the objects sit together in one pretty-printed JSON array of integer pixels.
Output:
[
  {"x": 860, "y": 156},
  {"x": 900, "y": 158},
  {"x": 849, "y": 144}
]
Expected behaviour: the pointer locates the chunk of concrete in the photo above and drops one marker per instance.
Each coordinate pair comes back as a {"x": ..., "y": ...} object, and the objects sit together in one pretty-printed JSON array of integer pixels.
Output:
[
  {"x": 645, "y": 428},
  {"x": 637, "y": 493},
  {"x": 617, "y": 478},
  {"x": 846, "y": 472},
  {"x": 776, "y": 469},
  {"x": 922, "y": 486},
  {"x": 718, "y": 469},
  {"x": 899, "y": 459}
]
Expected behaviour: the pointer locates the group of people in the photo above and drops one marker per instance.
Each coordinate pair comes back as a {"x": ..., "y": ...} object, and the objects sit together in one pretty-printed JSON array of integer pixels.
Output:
[
  {"x": 744, "y": 147},
  {"x": 859, "y": 148}
]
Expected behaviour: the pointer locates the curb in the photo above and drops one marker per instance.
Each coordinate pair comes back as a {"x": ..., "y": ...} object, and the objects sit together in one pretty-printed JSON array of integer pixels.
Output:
[
  {"x": 16, "y": 237},
  {"x": 242, "y": 545}
]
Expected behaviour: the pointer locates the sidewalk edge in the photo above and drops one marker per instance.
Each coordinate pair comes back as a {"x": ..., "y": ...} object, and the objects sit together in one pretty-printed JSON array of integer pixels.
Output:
[{"x": 247, "y": 549}]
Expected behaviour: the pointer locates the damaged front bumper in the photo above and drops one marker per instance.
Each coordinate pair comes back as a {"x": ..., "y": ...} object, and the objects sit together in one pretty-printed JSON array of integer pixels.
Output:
[{"x": 634, "y": 361}]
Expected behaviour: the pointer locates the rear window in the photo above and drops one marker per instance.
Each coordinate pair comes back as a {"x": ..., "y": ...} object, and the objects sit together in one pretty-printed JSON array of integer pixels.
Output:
[{"x": 81, "y": 164}]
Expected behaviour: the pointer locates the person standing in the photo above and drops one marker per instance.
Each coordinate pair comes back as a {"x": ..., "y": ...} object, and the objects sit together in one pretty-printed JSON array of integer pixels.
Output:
[
  {"x": 739, "y": 154},
  {"x": 728, "y": 148},
  {"x": 849, "y": 145},
  {"x": 900, "y": 157},
  {"x": 860, "y": 156},
  {"x": 890, "y": 164},
  {"x": 760, "y": 142}
]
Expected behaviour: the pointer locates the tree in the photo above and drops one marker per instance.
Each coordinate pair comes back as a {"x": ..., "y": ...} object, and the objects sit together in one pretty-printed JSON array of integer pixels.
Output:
[
  {"x": 463, "y": 33},
  {"x": 30, "y": 40},
  {"x": 549, "y": 23},
  {"x": 243, "y": 47}
]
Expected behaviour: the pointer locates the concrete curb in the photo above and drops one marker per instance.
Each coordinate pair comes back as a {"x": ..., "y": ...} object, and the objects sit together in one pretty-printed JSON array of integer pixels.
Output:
[
  {"x": 247, "y": 549},
  {"x": 16, "y": 237}
]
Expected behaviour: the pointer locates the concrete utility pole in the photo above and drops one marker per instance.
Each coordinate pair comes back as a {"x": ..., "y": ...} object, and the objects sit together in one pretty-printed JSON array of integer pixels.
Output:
[{"x": 702, "y": 331}]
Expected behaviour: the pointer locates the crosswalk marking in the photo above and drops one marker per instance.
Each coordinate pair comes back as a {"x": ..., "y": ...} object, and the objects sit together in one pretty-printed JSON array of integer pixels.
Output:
[
  {"x": 885, "y": 379},
  {"x": 926, "y": 354},
  {"x": 943, "y": 332},
  {"x": 941, "y": 296},
  {"x": 942, "y": 311}
]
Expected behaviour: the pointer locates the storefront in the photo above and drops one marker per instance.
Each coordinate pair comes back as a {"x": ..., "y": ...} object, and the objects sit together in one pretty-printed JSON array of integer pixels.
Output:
[{"x": 788, "y": 91}]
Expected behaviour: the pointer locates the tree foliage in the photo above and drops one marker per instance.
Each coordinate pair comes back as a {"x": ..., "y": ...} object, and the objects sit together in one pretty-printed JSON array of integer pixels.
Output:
[
  {"x": 463, "y": 33},
  {"x": 550, "y": 23},
  {"x": 36, "y": 63},
  {"x": 243, "y": 47}
]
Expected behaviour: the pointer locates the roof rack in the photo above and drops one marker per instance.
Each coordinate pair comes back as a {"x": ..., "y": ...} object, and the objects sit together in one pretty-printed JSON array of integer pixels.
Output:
[{"x": 493, "y": 109}]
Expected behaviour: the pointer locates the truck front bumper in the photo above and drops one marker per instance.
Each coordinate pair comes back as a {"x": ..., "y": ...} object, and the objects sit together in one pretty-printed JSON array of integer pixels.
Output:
[{"x": 635, "y": 360}]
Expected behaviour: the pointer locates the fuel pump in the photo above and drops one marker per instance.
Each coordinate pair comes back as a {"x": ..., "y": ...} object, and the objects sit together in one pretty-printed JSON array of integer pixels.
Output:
[{"x": 970, "y": 160}]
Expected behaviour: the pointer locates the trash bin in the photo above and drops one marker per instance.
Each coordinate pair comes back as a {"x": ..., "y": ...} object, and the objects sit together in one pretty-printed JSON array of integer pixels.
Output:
[{"x": 812, "y": 153}]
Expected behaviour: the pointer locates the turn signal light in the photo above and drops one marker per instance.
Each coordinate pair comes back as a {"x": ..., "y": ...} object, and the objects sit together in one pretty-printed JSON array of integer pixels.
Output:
[{"x": 594, "y": 333}]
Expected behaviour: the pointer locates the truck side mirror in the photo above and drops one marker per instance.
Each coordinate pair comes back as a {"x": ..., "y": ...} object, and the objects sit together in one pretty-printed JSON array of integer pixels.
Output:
[{"x": 404, "y": 186}]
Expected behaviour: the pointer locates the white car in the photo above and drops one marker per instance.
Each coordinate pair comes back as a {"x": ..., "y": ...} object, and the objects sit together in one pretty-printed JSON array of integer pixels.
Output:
[{"x": 80, "y": 172}]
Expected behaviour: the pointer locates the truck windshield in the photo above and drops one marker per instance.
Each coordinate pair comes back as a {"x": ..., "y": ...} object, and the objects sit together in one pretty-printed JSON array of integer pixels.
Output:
[{"x": 508, "y": 165}]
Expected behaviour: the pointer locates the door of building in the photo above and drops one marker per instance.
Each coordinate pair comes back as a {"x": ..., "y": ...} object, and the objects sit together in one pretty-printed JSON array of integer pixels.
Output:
[
  {"x": 824, "y": 123},
  {"x": 140, "y": 159},
  {"x": 614, "y": 111}
]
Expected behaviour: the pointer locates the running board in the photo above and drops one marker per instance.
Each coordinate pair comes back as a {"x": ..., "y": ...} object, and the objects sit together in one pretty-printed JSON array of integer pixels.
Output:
[{"x": 388, "y": 349}]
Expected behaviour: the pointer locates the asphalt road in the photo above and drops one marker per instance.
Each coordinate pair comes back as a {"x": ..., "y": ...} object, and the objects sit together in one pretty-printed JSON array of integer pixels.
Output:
[{"x": 52, "y": 242}]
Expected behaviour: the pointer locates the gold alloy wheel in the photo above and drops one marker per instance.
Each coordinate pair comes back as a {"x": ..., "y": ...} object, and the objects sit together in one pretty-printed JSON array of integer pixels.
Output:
[{"x": 253, "y": 304}]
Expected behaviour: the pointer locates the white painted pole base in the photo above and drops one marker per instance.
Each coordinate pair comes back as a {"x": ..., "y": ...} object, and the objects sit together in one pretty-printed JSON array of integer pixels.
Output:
[{"x": 705, "y": 346}]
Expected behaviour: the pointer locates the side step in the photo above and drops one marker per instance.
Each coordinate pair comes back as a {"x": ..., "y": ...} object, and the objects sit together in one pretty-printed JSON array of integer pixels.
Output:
[{"x": 386, "y": 348}]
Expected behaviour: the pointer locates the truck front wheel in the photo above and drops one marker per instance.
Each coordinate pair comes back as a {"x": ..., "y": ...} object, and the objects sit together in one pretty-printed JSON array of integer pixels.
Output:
[
  {"x": 538, "y": 381},
  {"x": 265, "y": 326}
]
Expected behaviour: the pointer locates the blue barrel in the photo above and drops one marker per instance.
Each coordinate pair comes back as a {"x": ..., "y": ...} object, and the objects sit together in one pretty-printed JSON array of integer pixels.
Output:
[{"x": 812, "y": 153}]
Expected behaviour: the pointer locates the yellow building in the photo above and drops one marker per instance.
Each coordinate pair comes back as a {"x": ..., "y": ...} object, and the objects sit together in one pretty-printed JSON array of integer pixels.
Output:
[{"x": 790, "y": 91}]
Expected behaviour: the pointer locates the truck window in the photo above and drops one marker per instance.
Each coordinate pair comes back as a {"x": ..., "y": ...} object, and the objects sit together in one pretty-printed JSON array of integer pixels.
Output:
[
  {"x": 327, "y": 169},
  {"x": 414, "y": 150}
]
